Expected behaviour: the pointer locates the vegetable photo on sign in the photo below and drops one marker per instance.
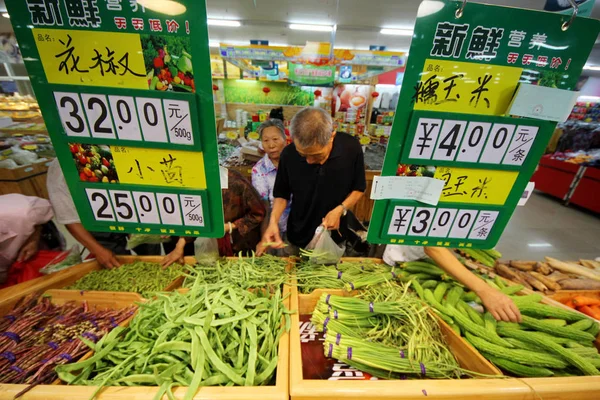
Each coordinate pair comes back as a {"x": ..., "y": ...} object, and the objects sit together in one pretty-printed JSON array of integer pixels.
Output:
[
  {"x": 94, "y": 163},
  {"x": 168, "y": 63}
]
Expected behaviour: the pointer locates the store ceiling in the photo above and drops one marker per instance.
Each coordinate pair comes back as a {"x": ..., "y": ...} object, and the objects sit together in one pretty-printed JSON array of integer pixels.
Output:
[{"x": 358, "y": 21}]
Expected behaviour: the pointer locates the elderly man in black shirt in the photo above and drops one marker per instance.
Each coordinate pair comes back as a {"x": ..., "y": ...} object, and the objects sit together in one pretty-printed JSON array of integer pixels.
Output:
[{"x": 323, "y": 171}]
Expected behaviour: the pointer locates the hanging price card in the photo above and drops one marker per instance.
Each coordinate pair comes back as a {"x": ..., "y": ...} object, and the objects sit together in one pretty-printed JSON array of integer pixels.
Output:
[
  {"x": 452, "y": 121},
  {"x": 126, "y": 96}
]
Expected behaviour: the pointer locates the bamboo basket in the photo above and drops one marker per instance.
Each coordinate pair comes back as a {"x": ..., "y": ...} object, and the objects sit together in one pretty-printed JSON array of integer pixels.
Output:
[
  {"x": 568, "y": 388},
  {"x": 278, "y": 391}
]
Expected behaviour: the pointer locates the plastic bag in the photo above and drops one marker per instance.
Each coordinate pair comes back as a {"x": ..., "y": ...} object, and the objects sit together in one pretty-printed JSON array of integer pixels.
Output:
[
  {"x": 136, "y": 239},
  {"x": 324, "y": 249},
  {"x": 64, "y": 260},
  {"x": 206, "y": 251}
]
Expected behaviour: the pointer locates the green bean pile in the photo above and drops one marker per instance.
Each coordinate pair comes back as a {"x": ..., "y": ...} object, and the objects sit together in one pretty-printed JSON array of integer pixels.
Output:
[
  {"x": 345, "y": 275},
  {"x": 385, "y": 338},
  {"x": 211, "y": 335},
  {"x": 251, "y": 272},
  {"x": 140, "y": 277}
]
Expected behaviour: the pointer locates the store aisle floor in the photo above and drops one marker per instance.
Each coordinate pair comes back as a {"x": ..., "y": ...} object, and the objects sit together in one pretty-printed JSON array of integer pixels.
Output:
[{"x": 544, "y": 227}]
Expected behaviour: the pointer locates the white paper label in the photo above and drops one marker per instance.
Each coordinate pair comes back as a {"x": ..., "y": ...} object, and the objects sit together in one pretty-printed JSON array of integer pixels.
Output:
[
  {"x": 179, "y": 121},
  {"x": 424, "y": 189},
  {"x": 425, "y": 138},
  {"x": 400, "y": 220}
]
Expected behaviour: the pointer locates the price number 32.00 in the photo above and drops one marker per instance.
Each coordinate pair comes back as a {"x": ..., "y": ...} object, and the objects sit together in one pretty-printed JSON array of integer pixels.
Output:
[{"x": 146, "y": 207}]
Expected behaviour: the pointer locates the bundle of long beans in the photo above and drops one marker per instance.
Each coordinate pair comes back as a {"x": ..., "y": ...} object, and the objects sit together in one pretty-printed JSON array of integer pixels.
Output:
[
  {"x": 245, "y": 272},
  {"x": 384, "y": 338},
  {"x": 345, "y": 275},
  {"x": 140, "y": 277},
  {"x": 214, "y": 334},
  {"x": 42, "y": 335}
]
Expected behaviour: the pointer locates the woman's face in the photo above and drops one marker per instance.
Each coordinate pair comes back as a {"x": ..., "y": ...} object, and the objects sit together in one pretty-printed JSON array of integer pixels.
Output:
[{"x": 272, "y": 142}]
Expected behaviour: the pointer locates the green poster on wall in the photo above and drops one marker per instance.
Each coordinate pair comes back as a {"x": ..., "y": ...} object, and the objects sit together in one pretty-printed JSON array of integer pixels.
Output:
[
  {"x": 311, "y": 75},
  {"x": 458, "y": 161},
  {"x": 125, "y": 91}
]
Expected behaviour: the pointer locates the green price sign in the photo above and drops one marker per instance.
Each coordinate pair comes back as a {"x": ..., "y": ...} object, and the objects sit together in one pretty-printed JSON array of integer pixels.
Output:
[
  {"x": 126, "y": 94},
  {"x": 457, "y": 161}
]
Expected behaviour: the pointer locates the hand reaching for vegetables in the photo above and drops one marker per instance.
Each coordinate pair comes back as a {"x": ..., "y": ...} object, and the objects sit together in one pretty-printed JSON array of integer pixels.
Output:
[
  {"x": 106, "y": 258},
  {"x": 176, "y": 256},
  {"x": 500, "y": 305},
  {"x": 28, "y": 250},
  {"x": 271, "y": 239}
]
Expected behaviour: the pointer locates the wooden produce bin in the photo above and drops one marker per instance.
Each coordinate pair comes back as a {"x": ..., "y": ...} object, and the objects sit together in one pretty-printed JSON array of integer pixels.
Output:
[
  {"x": 96, "y": 301},
  {"x": 61, "y": 279},
  {"x": 28, "y": 180},
  {"x": 501, "y": 388},
  {"x": 278, "y": 391}
]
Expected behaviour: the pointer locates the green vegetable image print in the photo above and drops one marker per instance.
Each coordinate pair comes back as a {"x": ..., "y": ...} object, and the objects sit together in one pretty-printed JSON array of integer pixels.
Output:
[{"x": 168, "y": 63}]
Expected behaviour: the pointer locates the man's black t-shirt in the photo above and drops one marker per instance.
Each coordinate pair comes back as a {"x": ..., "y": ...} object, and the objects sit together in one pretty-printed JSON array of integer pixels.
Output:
[{"x": 317, "y": 189}]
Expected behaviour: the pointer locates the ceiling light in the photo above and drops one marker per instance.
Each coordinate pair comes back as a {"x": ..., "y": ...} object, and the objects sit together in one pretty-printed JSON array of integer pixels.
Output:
[
  {"x": 168, "y": 7},
  {"x": 306, "y": 27},
  {"x": 5, "y": 15},
  {"x": 224, "y": 22},
  {"x": 539, "y": 245},
  {"x": 397, "y": 32},
  {"x": 213, "y": 44},
  {"x": 592, "y": 67}
]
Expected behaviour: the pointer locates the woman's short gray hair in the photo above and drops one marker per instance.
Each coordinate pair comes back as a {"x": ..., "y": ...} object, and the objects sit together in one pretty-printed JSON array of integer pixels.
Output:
[
  {"x": 277, "y": 123},
  {"x": 312, "y": 125}
]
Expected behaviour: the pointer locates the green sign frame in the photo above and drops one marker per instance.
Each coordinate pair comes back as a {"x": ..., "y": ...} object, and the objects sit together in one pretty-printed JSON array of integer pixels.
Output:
[
  {"x": 178, "y": 81},
  {"x": 444, "y": 36}
]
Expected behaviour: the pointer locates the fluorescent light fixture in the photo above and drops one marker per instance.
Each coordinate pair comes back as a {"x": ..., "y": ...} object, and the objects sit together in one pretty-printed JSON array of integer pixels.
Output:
[
  {"x": 224, "y": 22},
  {"x": 592, "y": 67},
  {"x": 396, "y": 32},
  {"x": 539, "y": 245},
  {"x": 316, "y": 28},
  {"x": 588, "y": 98},
  {"x": 6, "y": 15},
  {"x": 213, "y": 44},
  {"x": 167, "y": 7}
]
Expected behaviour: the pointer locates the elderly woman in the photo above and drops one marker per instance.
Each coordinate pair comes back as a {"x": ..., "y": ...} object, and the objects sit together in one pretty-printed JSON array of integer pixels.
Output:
[{"x": 272, "y": 136}]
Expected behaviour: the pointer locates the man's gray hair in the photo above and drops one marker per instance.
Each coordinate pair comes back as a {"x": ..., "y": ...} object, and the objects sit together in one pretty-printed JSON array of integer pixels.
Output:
[
  {"x": 312, "y": 126},
  {"x": 277, "y": 123}
]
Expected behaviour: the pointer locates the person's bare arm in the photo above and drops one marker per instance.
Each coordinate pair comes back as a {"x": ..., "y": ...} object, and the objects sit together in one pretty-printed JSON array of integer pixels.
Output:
[
  {"x": 177, "y": 255},
  {"x": 272, "y": 236},
  {"x": 496, "y": 302},
  {"x": 332, "y": 219},
  {"x": 105, "y": 257}
]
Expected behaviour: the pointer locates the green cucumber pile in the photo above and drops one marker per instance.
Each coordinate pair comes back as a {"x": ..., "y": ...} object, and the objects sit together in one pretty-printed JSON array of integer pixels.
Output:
[
  {"x": 550, "y": 341},
  {"x": 140, "y": 277},
  {"x": 211, "y": 335}
]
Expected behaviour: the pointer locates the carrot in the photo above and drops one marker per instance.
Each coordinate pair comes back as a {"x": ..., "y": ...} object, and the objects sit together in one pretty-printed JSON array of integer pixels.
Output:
[
  {"x": 569, "y": 303},
  {"x": 585, "y": 301},
  {"x": 587, "y": 310}
]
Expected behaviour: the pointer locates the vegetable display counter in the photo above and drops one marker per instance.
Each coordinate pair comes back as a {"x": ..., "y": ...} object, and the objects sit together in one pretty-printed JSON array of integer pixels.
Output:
[
  {"x": 271, "y": 367},
  {"x": 341, "y": 381}
]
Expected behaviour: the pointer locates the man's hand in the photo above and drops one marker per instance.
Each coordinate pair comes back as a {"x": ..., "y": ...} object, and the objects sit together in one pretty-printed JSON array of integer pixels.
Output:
[
  {"x": 331, "y": 222},
  {"x": 270, "y": 239},
  {"x": 28, "y": 250},
  {"x": 176, "y": 256},
  {"x": 106, "y": 258},
  {"x": 500, "y": 305}
]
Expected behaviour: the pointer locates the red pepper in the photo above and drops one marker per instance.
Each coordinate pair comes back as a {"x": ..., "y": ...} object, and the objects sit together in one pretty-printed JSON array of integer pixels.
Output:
[
  {"x": 83, "y": 177},
  {"x": 74, "y": 148},
  {"x": 105, "y": 162},
  {"x": 83, "y": 160},
  {"x": 180, "y": 75},
  {"x": 187, "y": 81},
  {"x": 93, "y": 179},
  {"x": 158, "y": 62}
]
